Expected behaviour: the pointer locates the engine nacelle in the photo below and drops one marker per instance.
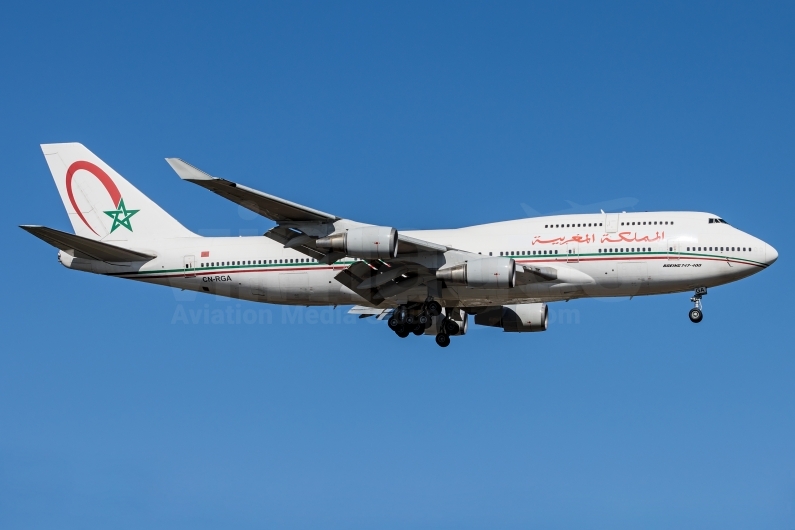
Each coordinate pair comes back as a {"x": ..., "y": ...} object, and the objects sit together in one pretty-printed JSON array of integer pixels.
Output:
[
  {"x": 483, "y": 273},
  {"x": 516, "y": 318},
  {"x": 368, "y": 242}
]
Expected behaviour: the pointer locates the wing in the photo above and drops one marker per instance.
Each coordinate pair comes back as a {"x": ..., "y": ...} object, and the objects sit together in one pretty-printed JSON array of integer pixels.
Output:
[
  {"x": 84, "y": 247},
  {"x": 378, "y": 280},
  {"x": 269, "y": 206},
  {"x": 298, "y": 227}
]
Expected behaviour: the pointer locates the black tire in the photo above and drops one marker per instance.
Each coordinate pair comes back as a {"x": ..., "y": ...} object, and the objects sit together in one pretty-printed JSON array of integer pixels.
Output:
[
  {"x": 400, "y": 329},
  {"x": 695, "y": 315},
  {"x": 419, "y": 329},
  {"x": 403, "y": 333},
  {"x": 423, "y": 319},
  {"x": 443, "y": 340},
  {"x": 393, "y": 323},
  {"x": 434, "y": 308},
  {"x": 451, "y": 327},
  {"x": 410, "y": 320}
]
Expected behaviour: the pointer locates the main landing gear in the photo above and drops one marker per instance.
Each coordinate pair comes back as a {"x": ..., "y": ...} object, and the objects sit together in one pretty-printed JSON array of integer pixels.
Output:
[
  {"x": 697, "y": 314},
  {"x": 416, "y": 318}
]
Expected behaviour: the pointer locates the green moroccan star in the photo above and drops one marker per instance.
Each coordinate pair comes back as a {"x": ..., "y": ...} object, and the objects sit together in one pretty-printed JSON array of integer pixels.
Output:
[{"x": 121, "y": 216}]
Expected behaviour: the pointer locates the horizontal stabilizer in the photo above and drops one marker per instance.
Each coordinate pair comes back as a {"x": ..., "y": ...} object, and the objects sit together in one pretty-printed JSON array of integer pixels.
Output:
[
  {"x": 279, "y": 210},
  {"x": 84, "y": 247}
]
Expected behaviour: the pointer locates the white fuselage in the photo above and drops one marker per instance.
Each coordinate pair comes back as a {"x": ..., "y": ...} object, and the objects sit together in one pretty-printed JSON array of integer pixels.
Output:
[{"x": 595, "y": 255}]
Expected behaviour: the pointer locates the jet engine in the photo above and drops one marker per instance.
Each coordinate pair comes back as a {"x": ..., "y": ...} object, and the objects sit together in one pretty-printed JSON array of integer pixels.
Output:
[
  {"x": 368, "y": 242},
  {"x": 483, "y": 273},
  {"x": 516, "y": 318}
]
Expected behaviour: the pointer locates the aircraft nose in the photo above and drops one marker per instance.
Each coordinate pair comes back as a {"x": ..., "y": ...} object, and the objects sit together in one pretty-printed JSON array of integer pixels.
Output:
[{"x": 770, "y": 254}]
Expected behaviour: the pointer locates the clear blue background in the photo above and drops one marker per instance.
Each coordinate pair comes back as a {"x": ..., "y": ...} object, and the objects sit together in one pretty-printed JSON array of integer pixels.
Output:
[{"x": 116, "y": 414}]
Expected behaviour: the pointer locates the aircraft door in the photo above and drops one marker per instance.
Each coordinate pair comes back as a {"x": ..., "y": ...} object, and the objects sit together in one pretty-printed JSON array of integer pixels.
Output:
[
  {"x": 611, "y": 222},
  {"x": 572, "y": 252},
  {"x": 673, "y": 250},
  {"x": 190, "y": 266}
]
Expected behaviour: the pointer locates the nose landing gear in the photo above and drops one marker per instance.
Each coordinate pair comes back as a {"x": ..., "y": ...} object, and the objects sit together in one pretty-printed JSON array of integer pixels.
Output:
[{"x": 697, "y": 314}]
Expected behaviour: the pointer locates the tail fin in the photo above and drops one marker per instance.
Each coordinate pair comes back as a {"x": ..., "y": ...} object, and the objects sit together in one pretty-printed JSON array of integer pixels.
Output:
[{"x": 101, "y": 204}]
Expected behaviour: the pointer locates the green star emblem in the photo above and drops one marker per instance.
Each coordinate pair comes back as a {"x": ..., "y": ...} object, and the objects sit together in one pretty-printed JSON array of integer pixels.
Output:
[{"x": 121, "y": 216}]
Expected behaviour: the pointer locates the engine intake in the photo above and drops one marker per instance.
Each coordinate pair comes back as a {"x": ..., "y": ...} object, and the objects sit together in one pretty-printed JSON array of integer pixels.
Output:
[
  {"x": 515, "y": 318},
  {"x": 484, "y": 273},
  {"x": 369, "y": 242}
]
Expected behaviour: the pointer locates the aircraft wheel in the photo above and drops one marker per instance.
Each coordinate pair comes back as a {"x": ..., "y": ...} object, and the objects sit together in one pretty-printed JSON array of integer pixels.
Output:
[
  {"x": 423, "y": 319},
  {"x": 393, "y": 323},
  {"x": 695, "y": 315},
  {"x": 443, "y": 340},
  {"x": 419, "y": 329},
  {"x": 410, "y": 320},
  {"x": 434, "y": 308},
  {"x": 403, "y": 333},
  {"x": 451, "y": 327}
]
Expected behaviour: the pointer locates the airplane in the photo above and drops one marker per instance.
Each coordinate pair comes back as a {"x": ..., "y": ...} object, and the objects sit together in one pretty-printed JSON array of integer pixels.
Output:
[{"x": 422, "y": 282}]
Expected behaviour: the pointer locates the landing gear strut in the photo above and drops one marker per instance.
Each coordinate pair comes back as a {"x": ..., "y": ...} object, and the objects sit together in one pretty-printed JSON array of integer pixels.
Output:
[
  {"x": 697, "y": 313},
  {"x": 417, "y": 317}
]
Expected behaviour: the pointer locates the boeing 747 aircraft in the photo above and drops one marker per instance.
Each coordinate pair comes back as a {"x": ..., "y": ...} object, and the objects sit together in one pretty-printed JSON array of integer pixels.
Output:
[{"x": 422, "y": 282}]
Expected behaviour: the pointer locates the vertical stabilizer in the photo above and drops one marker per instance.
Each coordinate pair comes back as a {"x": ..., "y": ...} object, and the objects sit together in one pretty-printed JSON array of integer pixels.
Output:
[{"x": 101, "y": 204}]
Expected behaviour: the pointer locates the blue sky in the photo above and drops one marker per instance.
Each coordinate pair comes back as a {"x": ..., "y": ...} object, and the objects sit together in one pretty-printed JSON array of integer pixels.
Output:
[{"x": 623, "y": 415}]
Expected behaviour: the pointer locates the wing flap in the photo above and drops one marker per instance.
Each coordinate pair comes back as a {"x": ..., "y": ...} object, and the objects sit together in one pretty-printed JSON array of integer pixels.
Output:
[{"x": 85, "y": 247}]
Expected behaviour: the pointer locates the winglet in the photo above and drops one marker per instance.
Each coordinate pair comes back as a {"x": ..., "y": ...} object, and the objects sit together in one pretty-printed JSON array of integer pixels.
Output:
[{"x": 187, "y": 171}]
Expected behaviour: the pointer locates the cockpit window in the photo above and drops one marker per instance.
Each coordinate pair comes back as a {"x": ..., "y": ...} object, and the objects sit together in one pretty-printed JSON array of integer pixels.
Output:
[{"x": 717, "y": 220}]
